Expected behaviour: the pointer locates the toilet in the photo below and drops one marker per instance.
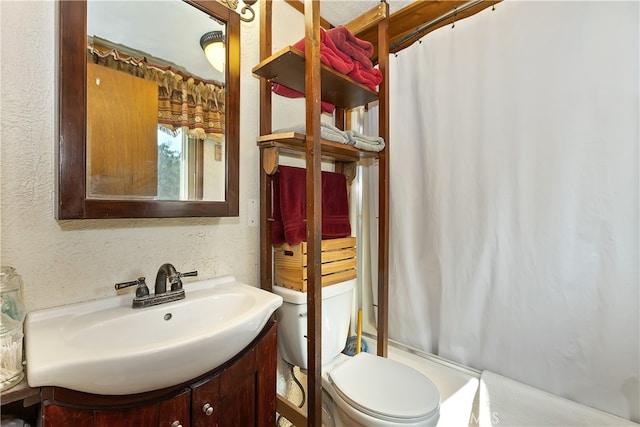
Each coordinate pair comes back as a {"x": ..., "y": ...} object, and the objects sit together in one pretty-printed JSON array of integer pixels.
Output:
[{"x": 361, "y": 390}]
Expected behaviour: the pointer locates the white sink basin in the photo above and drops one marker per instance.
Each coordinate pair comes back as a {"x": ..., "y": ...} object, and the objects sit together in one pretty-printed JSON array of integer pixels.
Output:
[{"x": 106, "y": 347}]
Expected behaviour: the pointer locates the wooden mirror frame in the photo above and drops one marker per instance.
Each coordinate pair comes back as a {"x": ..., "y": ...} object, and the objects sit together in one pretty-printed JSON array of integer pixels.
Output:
[{"x": 72, "y": 202}]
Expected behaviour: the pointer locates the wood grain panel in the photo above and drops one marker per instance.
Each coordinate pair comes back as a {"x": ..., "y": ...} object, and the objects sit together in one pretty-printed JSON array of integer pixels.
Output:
[
  {"x": 59, "y": 416},
  {"x": 369, "y": 19},
  {"x": 313, "y": 87},
  {"x": 383, "y": 193},
  {"x": 266, "y": 258},
  {"x": 239, "y": 408},
  {"x": 266, "y": 360},
  {"x": 144, "y": 416},
  {"x": 205, "y": 393},
  {"x": 122, "y": 148},
  {"x": 176, "y": 409},
  {"x": 337, "y": 263},
  {"x": 241, "y": 369}
]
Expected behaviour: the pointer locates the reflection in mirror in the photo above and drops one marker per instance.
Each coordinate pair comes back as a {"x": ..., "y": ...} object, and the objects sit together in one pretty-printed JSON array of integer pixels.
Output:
[
  {"x": 186, "y": 164},
  {"x": 155, "y": 105}
]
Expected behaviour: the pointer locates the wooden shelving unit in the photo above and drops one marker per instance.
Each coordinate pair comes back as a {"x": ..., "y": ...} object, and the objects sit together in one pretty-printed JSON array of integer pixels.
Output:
[{"x": 304, "y": 72}]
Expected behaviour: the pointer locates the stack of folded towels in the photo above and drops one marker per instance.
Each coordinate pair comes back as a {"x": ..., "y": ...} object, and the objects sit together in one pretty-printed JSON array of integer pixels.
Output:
[
  {"x": 347, "y": 54},
  {"x": 347, "y": 137}
]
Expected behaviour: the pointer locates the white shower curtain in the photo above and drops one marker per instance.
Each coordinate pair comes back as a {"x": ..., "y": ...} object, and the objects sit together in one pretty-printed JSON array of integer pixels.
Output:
[{"x": 514, "y": 197}]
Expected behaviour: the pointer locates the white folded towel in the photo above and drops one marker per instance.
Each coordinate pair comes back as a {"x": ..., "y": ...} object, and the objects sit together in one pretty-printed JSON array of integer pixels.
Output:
[
  {"x": 349, "y": 137},
  {"x": 365, "y": 142},
  {"x": 327, "y": 131},
  {"x": 505, "y": 402}
]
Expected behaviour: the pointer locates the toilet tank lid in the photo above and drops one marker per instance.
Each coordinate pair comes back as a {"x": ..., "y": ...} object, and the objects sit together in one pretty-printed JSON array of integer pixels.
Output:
[
  {"x": 385, "y": 388},
  {"x": 297, "y": 297}
]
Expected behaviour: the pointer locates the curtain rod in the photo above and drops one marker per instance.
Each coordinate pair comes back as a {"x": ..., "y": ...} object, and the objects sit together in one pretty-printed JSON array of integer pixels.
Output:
[{"x": 436, "y": 21}]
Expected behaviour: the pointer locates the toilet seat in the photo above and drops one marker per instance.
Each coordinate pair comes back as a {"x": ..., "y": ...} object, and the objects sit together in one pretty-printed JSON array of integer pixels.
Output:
[{"x": 385, "y": 389}]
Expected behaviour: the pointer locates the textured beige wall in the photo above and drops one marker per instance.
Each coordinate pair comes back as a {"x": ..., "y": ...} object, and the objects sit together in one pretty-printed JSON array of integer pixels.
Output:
[{"x": 67, "y": 261}]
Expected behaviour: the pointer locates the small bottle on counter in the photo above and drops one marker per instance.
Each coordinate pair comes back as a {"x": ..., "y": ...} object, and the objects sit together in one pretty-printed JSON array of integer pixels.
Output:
[{"x": 11, "y": 328}]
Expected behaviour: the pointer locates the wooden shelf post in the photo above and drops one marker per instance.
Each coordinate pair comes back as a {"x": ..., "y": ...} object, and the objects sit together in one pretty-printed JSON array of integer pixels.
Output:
[{"x": 314, "y": 211}]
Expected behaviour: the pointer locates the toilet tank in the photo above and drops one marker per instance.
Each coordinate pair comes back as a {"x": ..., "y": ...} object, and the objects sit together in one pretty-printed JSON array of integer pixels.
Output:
[{"x": 337, "y": 303}]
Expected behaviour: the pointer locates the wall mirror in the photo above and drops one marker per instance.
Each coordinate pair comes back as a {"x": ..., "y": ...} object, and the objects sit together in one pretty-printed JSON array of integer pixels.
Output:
[{"x": 148, "y": 127}]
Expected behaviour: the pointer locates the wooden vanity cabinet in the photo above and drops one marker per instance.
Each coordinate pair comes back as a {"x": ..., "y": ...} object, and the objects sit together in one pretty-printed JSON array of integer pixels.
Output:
[{"x": 240, "y": 393}]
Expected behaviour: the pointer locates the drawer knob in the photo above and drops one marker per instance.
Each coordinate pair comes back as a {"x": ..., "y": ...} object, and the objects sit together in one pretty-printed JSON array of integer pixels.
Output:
[
  {"x": 176, "y": 424},
  {"x": 207, "y": 409}
]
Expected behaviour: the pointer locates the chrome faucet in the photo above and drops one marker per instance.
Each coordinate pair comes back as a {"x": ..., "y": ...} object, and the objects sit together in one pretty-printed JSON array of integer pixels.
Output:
[{"x": 165, "y": 272}]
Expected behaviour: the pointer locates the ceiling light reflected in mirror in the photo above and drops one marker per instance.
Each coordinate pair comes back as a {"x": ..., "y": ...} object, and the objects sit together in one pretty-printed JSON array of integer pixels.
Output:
[{"x": 212, "y": 44}]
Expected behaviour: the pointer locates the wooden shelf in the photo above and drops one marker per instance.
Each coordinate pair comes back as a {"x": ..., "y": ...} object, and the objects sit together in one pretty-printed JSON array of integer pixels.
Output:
[
  {"x": 287, "y": 68},
  {"x": 295, "y": 142}
]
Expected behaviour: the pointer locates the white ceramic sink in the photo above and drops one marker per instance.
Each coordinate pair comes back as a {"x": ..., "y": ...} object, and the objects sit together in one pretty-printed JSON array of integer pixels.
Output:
[{"x": 106, "y": 347}]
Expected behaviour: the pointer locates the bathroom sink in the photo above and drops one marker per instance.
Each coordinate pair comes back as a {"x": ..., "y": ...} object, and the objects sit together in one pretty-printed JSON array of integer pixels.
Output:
[{"x": 106, "y": 347}]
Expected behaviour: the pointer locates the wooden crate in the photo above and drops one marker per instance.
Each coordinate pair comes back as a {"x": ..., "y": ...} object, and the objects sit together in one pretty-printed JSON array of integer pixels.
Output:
[{"x": 338, "y": 263}]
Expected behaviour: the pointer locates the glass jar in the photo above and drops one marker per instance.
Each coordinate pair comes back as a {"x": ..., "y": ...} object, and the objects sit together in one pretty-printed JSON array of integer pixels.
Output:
[{"x": 11, "y": 319}]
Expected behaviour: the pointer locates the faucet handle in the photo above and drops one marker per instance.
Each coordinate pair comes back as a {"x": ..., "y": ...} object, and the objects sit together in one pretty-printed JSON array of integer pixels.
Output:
[
  {"x": 188, "y": 274},
  {"x": 141, "y": 291},
  {"x": 176, "y": 283}
]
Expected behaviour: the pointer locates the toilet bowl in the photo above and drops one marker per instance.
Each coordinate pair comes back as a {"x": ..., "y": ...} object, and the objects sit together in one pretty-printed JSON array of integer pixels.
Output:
[
  {"x": 369, "y": 390},
  {"x": 360, "y": 390}
]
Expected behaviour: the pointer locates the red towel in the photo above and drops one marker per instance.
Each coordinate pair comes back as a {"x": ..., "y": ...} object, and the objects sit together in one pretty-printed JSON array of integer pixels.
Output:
[
  {"x": 326, "y": 107},
  {"x": 357, "y": 49},
  {"x": 335, "y": 206},
  {"x": 347, "y": 54},
  {"x": 370, "y": 78},
  {"x": 277, "y": 228},
  {"x": 330, "y": 55},
  {"x": 290, "y": 207}
]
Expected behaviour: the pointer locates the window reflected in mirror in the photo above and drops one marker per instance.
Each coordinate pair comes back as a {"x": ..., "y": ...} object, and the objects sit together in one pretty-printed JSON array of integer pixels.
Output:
[{"x": 187, "y": 167}]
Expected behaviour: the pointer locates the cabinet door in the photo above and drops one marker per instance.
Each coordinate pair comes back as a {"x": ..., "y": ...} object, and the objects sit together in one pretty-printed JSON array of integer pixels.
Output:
[
  {"x": 266, "y": 360},
  {"x": 177, "y": 411},
  {"x": 205, "y": 409},
  {"x": 238, "y": 409},
  {"x": 238, "y": 392}
]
